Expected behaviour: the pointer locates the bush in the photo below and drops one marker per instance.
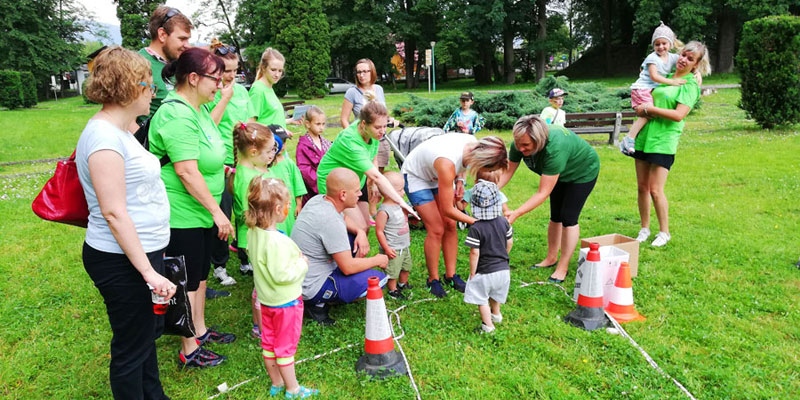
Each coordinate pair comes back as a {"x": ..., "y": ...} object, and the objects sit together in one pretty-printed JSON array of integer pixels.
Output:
[
  {"x": 501, "y": 110},
  {"x": 768, "y": 64},
  {"x": 10, "y": 89},
  {"x": 29, "y": 98}
]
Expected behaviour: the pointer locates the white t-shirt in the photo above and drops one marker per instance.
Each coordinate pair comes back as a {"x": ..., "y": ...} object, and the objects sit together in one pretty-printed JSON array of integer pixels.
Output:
[
  {"x": 146, "y": 196},
  {"x": 418, "y": 165},
  {"x": 663, "y": 68}
]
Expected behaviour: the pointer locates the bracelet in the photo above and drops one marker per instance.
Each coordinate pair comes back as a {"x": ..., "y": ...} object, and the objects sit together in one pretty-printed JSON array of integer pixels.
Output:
[{"x": 462, "y": 180}]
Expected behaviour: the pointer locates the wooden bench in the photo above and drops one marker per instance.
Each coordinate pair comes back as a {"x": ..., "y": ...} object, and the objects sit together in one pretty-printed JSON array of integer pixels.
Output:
[
  {"x": 611, "y": 123},
  {"x": 289, "y": 106}
]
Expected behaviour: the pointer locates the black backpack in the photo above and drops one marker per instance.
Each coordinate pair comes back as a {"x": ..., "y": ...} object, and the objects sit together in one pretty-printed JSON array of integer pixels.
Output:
[{"x": 142, "y": 134}]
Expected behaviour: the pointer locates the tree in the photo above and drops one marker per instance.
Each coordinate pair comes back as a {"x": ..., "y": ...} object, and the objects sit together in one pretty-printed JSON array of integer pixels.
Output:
[
  {"x": 305, "y": 41},
  {"x": 359, "y": 29},
  {"x": 133, "y": 18},
  {"x": 42, "y": 37}
]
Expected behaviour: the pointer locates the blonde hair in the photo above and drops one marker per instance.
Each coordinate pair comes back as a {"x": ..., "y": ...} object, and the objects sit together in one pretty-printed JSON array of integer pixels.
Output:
[
  {"x": 251, "y": 134},
  {"x": 703, "y": 66},
  {"x": 268, "y": 55},
  {"x": 490, "y": 154},
  {"x": 264, "y": 195},
  {"x": 313, "y": 111},
  {"x": 535, "y": 128},
  {"x": 117, "y": 75},
  {"x": 491, "y": 176}
]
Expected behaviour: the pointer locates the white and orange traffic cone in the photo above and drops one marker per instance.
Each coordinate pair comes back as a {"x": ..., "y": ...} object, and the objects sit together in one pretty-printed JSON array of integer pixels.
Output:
[
  {"x": 620, "y": 304},
  {"x": 380, "y": 359},
  {"x": 589, "y": 313}
]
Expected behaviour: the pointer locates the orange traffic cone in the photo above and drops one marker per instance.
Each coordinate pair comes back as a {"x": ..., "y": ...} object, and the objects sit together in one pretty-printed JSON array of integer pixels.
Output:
[
  {"x": 589, "y": 312},
  {"x": 380, "y": 358},
  {"x": 620, "y": 304}
]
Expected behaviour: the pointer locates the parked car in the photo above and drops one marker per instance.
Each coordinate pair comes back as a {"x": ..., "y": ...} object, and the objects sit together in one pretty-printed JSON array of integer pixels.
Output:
[{"x": 338, "y": 85}]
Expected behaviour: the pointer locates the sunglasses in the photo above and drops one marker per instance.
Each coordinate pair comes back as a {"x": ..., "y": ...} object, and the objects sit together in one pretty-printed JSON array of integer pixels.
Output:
[
  {"x": 218, "y": 79},
  {"x": 170, "y": 13},
  {"x": 224, "y": 50},
  {"x": 152, "y": 87}
]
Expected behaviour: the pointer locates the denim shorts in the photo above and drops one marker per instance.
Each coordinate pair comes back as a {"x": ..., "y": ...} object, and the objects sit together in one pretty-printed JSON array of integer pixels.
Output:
[{"x": 420, "y": 197}]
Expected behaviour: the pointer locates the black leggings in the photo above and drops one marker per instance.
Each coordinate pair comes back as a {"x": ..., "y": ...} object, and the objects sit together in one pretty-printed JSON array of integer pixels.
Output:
[{"x": 567, "y": 200}]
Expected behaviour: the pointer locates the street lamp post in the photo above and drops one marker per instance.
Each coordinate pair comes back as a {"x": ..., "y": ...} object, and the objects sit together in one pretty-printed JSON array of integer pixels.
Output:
[{"x": 433, "y": 65}]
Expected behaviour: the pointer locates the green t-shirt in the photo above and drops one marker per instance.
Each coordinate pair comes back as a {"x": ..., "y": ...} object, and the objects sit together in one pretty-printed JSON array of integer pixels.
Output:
[
  {"x": 267, "y": 109},
  {"x": 237, "y": 110},
  {"x": 241, "y": 181},
  {"x": 183, "y": 133},
  {"x": 565, "y": 155},
  {"x": 289, "y": 173},
  {"x": 661, "y": 135},
  {"x": 162, "y": 87},
  {"x": 349, "y": 151}
]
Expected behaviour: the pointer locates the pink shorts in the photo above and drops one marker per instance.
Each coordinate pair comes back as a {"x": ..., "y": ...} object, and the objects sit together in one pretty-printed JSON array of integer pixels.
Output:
[
  {"x": 641, "y": 96},
  {"x": 280, "y": 331}
]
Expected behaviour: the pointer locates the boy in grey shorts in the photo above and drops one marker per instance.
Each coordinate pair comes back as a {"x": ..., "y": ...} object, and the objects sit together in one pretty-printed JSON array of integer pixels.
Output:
[
  {"x": 391, "y": 228},
  {"x": 489, "y": 239}
]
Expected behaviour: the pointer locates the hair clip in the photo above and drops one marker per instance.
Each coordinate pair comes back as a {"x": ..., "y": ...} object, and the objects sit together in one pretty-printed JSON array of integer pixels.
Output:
[
  {"x": 272, "y": 182},
  {"x": 253, "y": 135}
]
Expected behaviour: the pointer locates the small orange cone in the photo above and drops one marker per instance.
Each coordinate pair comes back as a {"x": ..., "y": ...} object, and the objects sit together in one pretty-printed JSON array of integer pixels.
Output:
[
  {"x": 620, "y": 304},
  {"x": 380, "y": 360},
  {"x": 589, "y": 314}
]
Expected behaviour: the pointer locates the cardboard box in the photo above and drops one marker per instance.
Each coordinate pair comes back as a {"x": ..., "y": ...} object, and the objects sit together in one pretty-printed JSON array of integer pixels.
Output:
[
  {"x": 611, "y": 257},
  {"x": 630, "y": 245}
]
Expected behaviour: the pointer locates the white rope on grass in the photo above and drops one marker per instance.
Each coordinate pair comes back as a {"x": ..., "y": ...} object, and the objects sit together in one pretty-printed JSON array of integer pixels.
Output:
[{"x": 625, "y": 334}]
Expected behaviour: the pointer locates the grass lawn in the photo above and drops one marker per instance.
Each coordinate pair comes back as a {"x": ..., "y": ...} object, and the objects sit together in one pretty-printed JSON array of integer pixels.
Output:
[{"x": 720, "y": 299}]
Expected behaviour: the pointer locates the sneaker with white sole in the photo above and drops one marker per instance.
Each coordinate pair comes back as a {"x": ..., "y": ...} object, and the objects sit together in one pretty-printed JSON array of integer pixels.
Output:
[
  {"x": 222, "y": 274},
  {"x": 246, "y": 269},
  {"x": 496, "y": 319},
  {"x": 661, "y": 239},
  {"x": 644, "y": 233},
  {"x": 626, "y": 146}
]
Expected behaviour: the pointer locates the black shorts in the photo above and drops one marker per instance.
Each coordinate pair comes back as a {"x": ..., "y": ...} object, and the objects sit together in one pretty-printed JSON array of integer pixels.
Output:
[
  {"x": 364, "y": 193},
  {"x": 662, "y": 160},
  {"x": 195, "y": 245},
  {"x": 567, "y": 200}
]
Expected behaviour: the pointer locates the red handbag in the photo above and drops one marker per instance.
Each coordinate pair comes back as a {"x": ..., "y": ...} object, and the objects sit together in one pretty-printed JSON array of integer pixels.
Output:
[{"x": 62, "y": 199}]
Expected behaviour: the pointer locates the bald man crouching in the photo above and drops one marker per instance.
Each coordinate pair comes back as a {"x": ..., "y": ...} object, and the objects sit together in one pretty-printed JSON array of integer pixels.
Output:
[{"x": 334, "y": 276}]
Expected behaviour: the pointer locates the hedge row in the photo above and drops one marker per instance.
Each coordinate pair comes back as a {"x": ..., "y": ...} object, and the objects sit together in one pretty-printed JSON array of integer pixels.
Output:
[
  {"x": 15, "y": 94},
  {"x": 502, "y": 109}
]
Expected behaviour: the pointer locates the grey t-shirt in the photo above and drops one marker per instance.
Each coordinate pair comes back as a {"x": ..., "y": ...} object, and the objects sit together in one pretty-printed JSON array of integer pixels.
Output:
[
  {"x": 396, "y": 229},
  {"x": 490, "y": 237},
  {"x": 319, "y": 232},
  {"x": 356, "y": 96}
]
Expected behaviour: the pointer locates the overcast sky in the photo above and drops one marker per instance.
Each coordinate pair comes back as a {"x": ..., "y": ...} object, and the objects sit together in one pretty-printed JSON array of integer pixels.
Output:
[{"x": 105, "y": 11}]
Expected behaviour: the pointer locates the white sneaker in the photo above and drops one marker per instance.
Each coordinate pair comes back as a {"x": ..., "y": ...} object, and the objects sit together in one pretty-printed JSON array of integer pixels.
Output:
[
  {"x": 222, "y": 274},
  {"x": 246, "y": 269},
  {"x": 497, "y": 318},
  {"x": 661, "y": 239},
  {"x": 644, "y": 233}
]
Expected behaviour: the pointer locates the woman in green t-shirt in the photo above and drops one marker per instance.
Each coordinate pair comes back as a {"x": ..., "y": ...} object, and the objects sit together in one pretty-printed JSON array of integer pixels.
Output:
[
  {"x": 657, "y": 143},
  {"x": 568, "y": 166},
  {"x": 183, "y": 129},
  {"x": 266, "y": 108}
]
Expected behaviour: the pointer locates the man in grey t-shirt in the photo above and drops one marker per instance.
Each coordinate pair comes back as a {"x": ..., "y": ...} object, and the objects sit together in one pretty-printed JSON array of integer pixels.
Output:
[{"x": 320, "y": 231}]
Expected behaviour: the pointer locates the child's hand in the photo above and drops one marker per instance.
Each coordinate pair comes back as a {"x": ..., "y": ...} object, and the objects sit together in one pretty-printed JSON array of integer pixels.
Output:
[
  {"x": 390, "y": 253},
  {"x": 677, "y": 82}
]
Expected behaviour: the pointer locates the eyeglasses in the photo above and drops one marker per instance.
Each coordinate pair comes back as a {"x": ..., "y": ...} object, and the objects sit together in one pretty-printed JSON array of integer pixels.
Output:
[
  {"x": 366, "y": 71},
  {"x": 170, "y": 13},
  {"x": 218, "y": 79},
  {"x": 152, "y": 86},
  {"x": 275, "y": 148},
  {"x": 223, "y": 50}
]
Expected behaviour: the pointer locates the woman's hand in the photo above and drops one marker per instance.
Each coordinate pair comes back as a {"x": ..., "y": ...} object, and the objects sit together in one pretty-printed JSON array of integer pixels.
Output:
[
  {"x": 161, "y": 285},
  {"x": 641, "y": 110},
  {"x": 227, "y": 91},
  {"x": 224, "y": 227},
  {"x": 512, "y": 216}
]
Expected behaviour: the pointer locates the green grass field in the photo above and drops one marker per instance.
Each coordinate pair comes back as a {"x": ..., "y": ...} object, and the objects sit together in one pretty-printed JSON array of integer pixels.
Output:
[{"x": 720, "y": 299}]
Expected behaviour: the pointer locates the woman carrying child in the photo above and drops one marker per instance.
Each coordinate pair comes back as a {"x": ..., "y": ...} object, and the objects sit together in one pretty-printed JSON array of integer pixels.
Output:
[
  {"x": 310, "y": 149},
  {"x": 279, "y": 270}
]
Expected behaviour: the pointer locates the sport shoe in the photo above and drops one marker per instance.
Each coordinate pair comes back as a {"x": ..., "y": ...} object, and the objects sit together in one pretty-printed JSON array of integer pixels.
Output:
[
  {"x": 256, "y": 333},
  {"x": 626, "y": 146},
  {"x": 661, "y": 239},
  {"x": 484, "y": 329},
  {"x": 497, "y": 318},
  {"x": 644, "y": 233},
  {"x": 213, "y": 294},
  {"x": 200, "y": 358},
  {"x": 461, "y": 225},
  {"x": 396, "y": 294},
  {"x": 318, "y": 314},
  {"x": 276, "y": 390},
  {"x": 233, "y": 248},
  {"x": 407, "y": 286},
  {"x": 302, "y": 393},
  {"x": 222, "y": 274},
  {"x": 436, "y": 289},
  {"x": 213, "y": 336},
  {"x": 246, "y": 269},
  {"x": 456, "y": 283}
]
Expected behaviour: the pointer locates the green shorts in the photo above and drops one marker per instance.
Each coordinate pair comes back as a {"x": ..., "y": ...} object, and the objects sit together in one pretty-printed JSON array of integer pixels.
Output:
[{"x": 400, "y": 263}]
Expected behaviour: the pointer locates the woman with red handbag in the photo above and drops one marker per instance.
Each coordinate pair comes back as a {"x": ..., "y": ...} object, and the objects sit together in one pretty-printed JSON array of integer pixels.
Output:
[{"x": 128, "y": 226}]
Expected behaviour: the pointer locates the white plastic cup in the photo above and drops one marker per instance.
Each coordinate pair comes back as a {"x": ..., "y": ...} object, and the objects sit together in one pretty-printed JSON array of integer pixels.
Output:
[{"x": 160, "y": 303}]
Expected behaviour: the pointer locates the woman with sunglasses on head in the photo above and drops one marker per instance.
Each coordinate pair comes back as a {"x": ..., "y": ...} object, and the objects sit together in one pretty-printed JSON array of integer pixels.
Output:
[
  {"x": 128, "y": 220},
  {"x": 194, "y": 176}
]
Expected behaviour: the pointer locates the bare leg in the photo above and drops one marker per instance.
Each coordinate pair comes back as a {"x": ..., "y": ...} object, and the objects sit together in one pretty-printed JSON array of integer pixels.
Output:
[
  {"x": 494, "y": 307},
  {"x": 274, "y": 372},
  {"x": 199, "y": 309},
  {"x": 486, "y": 316},
  {"x": 450, "y": 246},
  {"x": 434, "y": 228},
  {"x": 636, "y": 127},
  {"x": 289, "y": 378},
  {"x": 363, "y": 207},
  {"x": 569, "y": 240},
  {"x": 553, "y": 244},
  {"x": 643, "y": 191},
  {"x": 391, "y": 284},
  {"x": 658, "y": 179},
  {"x": 403, "y": 278}
]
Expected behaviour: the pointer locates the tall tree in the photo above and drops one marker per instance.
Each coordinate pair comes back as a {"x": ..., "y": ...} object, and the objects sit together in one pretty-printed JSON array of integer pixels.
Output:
[
  {"x": 415, "y": 23},
  {"x": 305, "y": 41},
  {"x": 133, "y": 17},
  {"x": 359, "y": 29}
]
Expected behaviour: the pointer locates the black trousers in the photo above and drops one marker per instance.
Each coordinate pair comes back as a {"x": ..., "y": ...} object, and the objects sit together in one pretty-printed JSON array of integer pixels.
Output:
[
  {"x": 220, "y": 252},
  {"x": 133, "y": 371}
]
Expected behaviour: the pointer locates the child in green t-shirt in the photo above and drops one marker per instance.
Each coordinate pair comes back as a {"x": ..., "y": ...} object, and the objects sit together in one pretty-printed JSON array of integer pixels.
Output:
[
  {"x": 285, "y": 169},
  {"x": 554, "y": 115}
]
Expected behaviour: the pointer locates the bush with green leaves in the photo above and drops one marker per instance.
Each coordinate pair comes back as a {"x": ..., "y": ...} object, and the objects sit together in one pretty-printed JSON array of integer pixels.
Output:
[
  {"x": 502, "y": 109},
  {"x": 29, "y": 98},
  {"x": 769, "y": 65},
  {"x": 10, "y": 89}
]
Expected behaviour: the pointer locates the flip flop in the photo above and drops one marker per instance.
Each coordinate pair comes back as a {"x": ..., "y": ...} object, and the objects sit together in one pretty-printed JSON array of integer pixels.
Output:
[
  {"x": 543, "y": 266},
  {"x": 554, "y": 280}
]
